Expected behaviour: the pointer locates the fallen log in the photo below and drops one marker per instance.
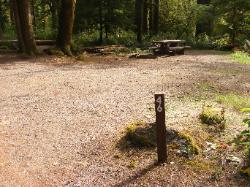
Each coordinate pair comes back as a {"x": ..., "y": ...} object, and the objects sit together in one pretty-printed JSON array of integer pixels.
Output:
[{"x": 38, "y": 42}]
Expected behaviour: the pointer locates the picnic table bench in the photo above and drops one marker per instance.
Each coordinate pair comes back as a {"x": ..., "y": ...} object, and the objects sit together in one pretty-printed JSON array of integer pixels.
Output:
[{"x": 170, "y": 47}]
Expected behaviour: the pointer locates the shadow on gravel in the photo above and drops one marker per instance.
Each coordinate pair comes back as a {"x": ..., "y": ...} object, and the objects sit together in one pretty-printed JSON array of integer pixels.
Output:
[
  {"x": 12, "y": 59},
  {"x": 137, "y": 176}
]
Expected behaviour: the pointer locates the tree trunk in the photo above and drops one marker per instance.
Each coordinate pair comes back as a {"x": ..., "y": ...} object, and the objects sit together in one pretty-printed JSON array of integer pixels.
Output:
[
  {"x": 139, "y": 13},
  {"x": 24, "y": 29},
  {"x": 156, "y": 16},
  {"x": 100, "y": 21},
  {"x": 150, "y": 25},
  {"x": 145, "y": 16},
  {"x": 54, "y": 13},
  {"x": 108, "y": 18},
  {"x": 33, "y": 14},
  {"x": 16, "y": 15},
  {"x": 1, "y": 21},
  {"x": 234, "y": 27},
  {"x": 66, "y": 22}
]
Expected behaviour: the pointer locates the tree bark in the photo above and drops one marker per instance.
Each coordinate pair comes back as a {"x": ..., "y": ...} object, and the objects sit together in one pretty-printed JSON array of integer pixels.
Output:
[
  {"x": 1, "y": 21},
  {"x": 24, "y": 29},
  {"x": 139, "y": 15},
  {"x": 100, "y": 21},
  {"x": 66, "y": 22},
  {"x": 150, "y": 25},
  {"x": 33, "y": 14},
  {"x": 145, "y": 16},
  {"x": 156, "y": 16},
  {"x": 18, "y": 25},
  {"x": 54, "y": 13}
]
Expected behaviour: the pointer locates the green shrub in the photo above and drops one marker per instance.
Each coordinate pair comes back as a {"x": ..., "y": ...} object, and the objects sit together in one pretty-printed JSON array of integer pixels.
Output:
[
  {"x": 221, "y": 43},
  {"x": 203, "y": 41}
]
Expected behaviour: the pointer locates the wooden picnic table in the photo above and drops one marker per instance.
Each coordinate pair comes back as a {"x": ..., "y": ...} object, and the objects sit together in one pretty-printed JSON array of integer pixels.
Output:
[{"x": 170, "y": 47}]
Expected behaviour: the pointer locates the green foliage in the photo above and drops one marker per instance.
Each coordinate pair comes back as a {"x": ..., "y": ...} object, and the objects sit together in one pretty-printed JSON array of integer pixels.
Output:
[
  {"x": 213, "y": 116},
  {"x": 217, "y": 25},
  {"x": 178, "y": 18},
  {"x": 9, "y": 33},
  {"x": 221, "y": 43},
  {"x": 126, "y": 38},
  {"x": 232, "y": 18},
  {"x": 203, "y": 41},
  {"x": 241, "y": 57},
  {"x": 245, "y": 135},
  {"x": 233, "y": 100}
]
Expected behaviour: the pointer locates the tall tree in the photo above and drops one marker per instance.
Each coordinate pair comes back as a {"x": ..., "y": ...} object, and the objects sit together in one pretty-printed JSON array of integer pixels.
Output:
[
  {"x": 145, "y": 16},
  {"x": 139, "y": 20},
  {"x": 24, "y": 28},
  {"x": 1, "y": 20},
  {"x": 66, "y": 22},
  {"x": 156, "y": 16},
  {"x": 54, "y": 4},
  {"x": 101, "y": 21}
]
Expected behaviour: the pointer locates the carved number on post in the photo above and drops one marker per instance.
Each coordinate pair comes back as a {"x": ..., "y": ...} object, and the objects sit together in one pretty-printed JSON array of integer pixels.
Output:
[{"x": 159, "y": 101}]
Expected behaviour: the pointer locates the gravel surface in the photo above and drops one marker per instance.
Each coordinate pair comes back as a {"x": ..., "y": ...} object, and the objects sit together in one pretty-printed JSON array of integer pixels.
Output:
[{"x": 59, "y": 124}]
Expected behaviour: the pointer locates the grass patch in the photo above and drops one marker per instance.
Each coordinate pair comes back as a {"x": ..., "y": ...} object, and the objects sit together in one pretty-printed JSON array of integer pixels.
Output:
[
  {"x": 241, "y": 57},
  {"x": 213, "y": 116},
  {"x": 235, "y": 101}
]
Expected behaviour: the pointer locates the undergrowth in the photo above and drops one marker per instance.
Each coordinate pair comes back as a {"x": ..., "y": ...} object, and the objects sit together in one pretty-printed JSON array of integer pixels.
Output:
[{"x": 241, "y": 57}]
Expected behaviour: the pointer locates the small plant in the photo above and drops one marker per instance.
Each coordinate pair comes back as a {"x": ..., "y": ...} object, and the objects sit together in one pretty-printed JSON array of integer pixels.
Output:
[{"x": 213, "y": 116}]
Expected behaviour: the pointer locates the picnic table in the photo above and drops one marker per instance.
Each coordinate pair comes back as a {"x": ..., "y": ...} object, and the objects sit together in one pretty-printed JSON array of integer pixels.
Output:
[{"x": 170, "y": 47}]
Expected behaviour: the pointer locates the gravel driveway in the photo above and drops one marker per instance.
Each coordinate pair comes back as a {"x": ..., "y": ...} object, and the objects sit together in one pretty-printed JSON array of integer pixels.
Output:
[{"x": 59, "y": 124}]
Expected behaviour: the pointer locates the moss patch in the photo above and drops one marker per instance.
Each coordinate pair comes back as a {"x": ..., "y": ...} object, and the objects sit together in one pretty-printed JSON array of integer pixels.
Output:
[
  {"x": 140, "y": 134},
  {"x": 143, "y": 135},
  {"x": 191, "y": 146},
  {"x": 213, "y": 116}
]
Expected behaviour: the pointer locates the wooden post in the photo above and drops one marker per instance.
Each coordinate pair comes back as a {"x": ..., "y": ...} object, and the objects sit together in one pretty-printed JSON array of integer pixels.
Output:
[{"x": 161, "y": 128}]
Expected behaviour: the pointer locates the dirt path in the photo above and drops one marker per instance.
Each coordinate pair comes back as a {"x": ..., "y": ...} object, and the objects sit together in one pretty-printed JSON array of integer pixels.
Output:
[{"x": 59, "y": 124}]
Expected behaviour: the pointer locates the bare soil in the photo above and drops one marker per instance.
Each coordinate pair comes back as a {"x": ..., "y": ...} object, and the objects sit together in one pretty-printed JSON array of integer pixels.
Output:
[{"x": 61, "y": 119}]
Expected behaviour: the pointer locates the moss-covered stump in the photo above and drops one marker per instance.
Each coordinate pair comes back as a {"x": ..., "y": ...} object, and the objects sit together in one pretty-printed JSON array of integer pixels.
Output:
[
  {"x": 213, "y": 117},
  {"x": 141, "y": 135}
]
